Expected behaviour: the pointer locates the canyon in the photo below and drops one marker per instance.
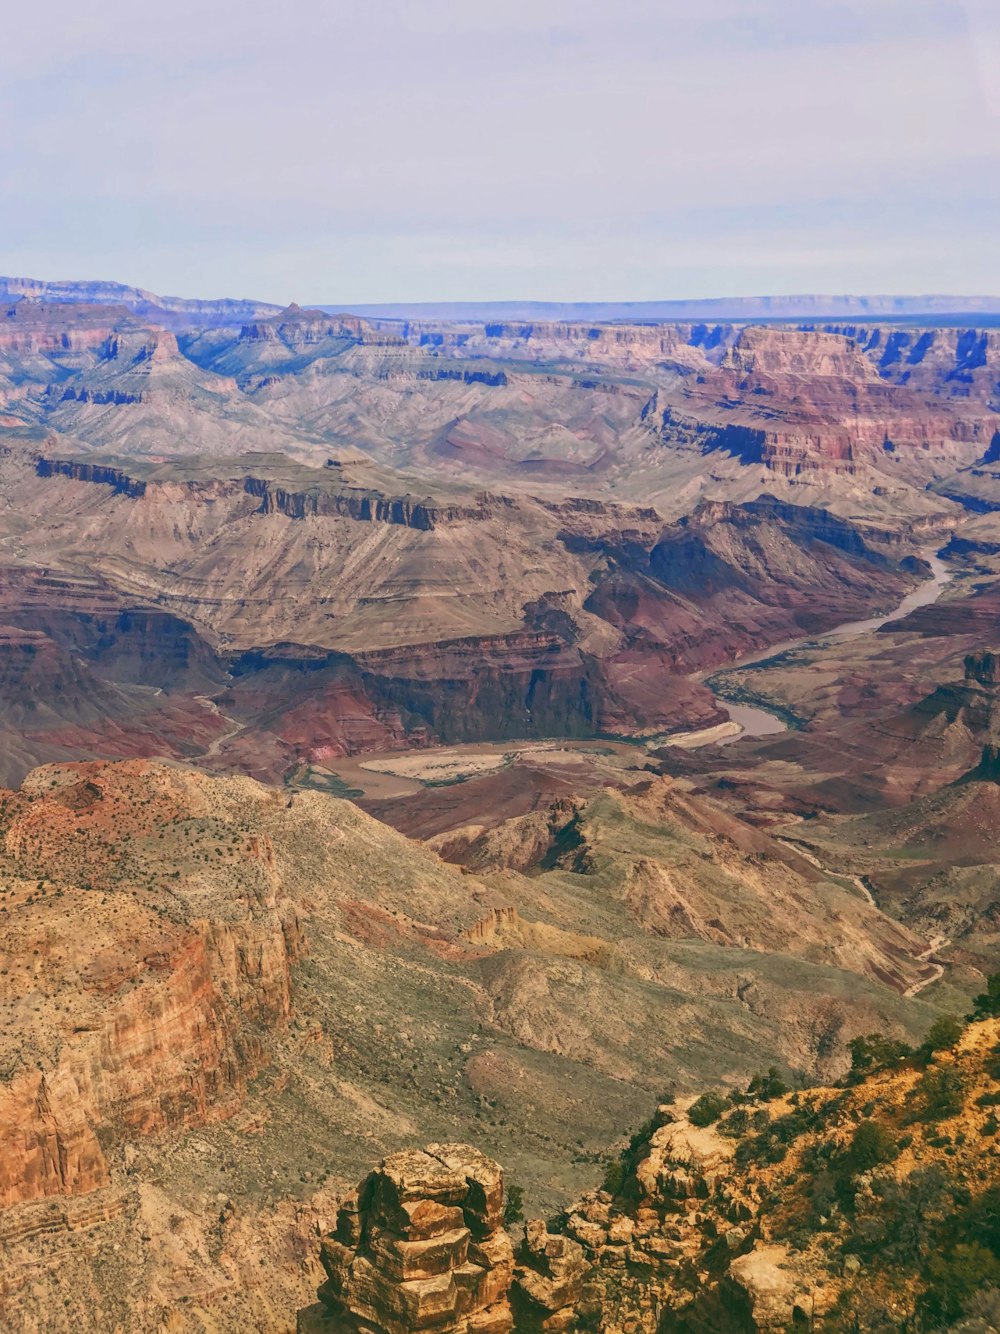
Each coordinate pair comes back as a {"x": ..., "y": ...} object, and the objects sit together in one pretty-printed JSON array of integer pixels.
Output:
[{"x": 438, "y": 743}]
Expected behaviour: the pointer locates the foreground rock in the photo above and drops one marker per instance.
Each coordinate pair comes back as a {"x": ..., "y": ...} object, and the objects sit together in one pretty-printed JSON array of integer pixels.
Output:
[
  {"x": 811, "y": 1208},
  {"x": 421, "y": 1245}
]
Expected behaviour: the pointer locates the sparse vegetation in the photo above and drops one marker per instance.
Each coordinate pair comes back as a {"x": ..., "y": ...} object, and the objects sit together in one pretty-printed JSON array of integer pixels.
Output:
[
  {"x": 939, "y": 1094},
  {"x": 877, "y": 1052},
  {"x": 707, "y": 1109},
  {"x": 513, "y": 1208},
  {"x": 987, "y": 1004}
]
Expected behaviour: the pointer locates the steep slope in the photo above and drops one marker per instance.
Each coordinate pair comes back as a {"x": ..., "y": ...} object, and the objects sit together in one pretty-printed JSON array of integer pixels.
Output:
[
  {"x": 866, "y": 1208},
  {"x": 219, "y": 993},
  {"x": 859, "y": 1208}
]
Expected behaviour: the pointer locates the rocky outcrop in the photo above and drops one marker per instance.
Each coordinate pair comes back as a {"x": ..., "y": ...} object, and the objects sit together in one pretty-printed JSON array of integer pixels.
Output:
[
  {"x": 988, "y": 768},
  {"x": 494, "y": 378},
  {"x": 420, "y": 1246},
  {"x": 369, "y": 507},
  {"x": 983, "y": 667},
  {"x": 297, "y": 329},
  {"x": 101, "y": 474},
  {"x": 550, "y": 1281}
]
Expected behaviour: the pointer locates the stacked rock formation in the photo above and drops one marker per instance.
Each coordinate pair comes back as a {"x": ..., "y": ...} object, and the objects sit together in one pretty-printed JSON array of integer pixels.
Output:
[{"x": 420, "y": 1247}]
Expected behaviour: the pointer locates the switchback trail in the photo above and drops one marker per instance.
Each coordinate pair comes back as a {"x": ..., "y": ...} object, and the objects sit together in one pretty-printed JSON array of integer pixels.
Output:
[{"x": 926, "y": 956}]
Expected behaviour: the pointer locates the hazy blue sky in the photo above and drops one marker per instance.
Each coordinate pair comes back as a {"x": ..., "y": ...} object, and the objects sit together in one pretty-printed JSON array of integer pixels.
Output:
[{"x": 368, "y": 150}]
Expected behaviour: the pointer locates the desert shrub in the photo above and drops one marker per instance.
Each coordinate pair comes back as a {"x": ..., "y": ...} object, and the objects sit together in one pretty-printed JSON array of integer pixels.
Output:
[
  {"x": 900, "y": 1222},
  {"x": 615, "y": 1176},
  {"x": 766, "y": 1087},
  {"x": 987, "y": 1004},
  {"x": 707, "y": 1109},
  {"x": 824, "y": 1195},
  {"x": 872, "y": 1145},
  {"x": 513, "y": 1209},
  {"x": 942, "y": 1035},
  {"x": 939, "y": 1095},
  {"x": 642, "y": 1136},
  {"x": 979, "y": 1218},
  {"x": 875, "y": 1052},
  {"x": 737, "y": 1123},
  {"x": 955, "y": 1276},
  {"x": 982, "y": 1313}
]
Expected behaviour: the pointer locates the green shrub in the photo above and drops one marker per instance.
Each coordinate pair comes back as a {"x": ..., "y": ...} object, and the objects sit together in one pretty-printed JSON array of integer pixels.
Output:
[
  {"x": 956, "y": 1276},
  {"x": 766, "y": 1087},
  {"x": 872, "y": 1145},
  {"x": 737, "y": 1123},
  {"x": 940, "y": 1094},
  {"x": 707, "y": 1109},
  {"x": 987, "y": 1005},
  {"x": 615, "y": 1176},
  {"x": 642, "y": 1136},
  {"x": 875, "y": 1052},
  {"x": 942, "y": 1035},
  {"x": 513, "y": 1209},
  {"x": 899, "y": 1224}
]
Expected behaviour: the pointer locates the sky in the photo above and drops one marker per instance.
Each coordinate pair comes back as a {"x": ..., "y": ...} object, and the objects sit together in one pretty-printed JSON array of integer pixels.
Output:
[{"x": 344, "y": 151}]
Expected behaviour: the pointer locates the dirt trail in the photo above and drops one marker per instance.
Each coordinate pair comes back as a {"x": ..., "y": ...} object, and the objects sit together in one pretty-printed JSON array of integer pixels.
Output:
[
  {"x": 937, "y": 943},
  {"x": 857, "y": 880},
  {"x": 926, "y": 956}
]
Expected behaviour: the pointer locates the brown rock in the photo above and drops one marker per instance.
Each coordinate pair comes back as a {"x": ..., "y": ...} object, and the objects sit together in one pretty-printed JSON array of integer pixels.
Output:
[{"x": 427, "y": 1251}]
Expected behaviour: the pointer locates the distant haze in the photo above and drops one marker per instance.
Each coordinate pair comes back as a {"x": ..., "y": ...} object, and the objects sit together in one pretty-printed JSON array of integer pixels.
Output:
[
  {"x": 984, "y": 309},
  {"x": 181, "y": 311},
  {"x": 526, "y": 150}
]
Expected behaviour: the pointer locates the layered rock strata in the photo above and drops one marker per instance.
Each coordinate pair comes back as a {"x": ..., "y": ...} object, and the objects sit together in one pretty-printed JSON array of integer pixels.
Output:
[{"x": 420, "y": 1246}]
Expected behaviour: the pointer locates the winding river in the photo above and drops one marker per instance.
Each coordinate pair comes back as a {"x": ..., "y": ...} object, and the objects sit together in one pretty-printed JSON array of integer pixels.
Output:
[{"x": 755, "y": 721}]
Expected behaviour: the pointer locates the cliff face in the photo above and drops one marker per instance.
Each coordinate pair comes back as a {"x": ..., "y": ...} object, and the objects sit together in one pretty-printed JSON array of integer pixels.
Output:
[
  {"x": 405, "y": 511},
  {"x": 179, "y": 310},
  {"x": 800, "y": 401},
  {"x": 102, "y": 474},
  {"x": 159, "y": 1033},
  {"x": 463, "y": 617},
  {"x": 298, "y": 329},
  {"x": 954, "y": 363}
]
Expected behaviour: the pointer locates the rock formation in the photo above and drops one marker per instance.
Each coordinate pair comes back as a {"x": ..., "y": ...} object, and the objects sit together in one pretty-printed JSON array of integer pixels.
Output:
[
  {"x": 550, "y": 1282},
  {"x": 420, "y": 1246},
  {"x": 745, "y": 1223}
]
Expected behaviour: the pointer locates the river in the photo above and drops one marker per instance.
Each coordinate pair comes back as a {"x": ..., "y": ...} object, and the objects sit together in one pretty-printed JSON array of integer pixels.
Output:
[{"x": 755, "y": 721}]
